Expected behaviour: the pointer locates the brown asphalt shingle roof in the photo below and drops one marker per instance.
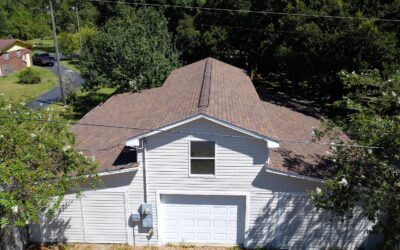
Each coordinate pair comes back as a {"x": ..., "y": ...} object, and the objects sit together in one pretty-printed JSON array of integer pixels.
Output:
[
  {"x": 307, "y": 159},
  {"x": 5, "y": 43},
  {"x": 231, "y": 98}
]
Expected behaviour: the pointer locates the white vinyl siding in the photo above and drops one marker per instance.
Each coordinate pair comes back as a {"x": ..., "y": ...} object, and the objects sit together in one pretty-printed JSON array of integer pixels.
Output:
[
  {"x": 239, "y": 167},
  {"x": 279, "y": 213},
  {"x": 94, "y": 218},
  {"x": 105, "y": 218}
]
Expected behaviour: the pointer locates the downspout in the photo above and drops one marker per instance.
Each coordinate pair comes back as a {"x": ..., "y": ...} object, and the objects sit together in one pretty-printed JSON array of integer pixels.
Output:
[
  {"x": 150, "y": 233},
  {"x": 144, "y": 170},
  {"x": 143, "y": 148}
]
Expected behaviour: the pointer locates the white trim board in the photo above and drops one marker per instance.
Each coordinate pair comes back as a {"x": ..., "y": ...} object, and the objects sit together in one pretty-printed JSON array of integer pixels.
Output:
[
  {"x": 206, "y": 193},
  {"x": 135, "y": 141},
  {"x": 120, "y": 171},
  {"x": 293, "y": 175}
]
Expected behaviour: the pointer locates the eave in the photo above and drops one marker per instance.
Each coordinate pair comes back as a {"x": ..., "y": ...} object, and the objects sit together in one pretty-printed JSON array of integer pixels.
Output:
[{"x": 135, "y": 141}]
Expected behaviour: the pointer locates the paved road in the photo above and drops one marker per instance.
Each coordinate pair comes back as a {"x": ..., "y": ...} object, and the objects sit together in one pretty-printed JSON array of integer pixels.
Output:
[{"x": 54, "y": 95}]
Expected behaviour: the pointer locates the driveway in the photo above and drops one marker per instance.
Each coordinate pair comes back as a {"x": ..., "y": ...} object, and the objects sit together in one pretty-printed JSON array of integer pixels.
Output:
[{"x": 54, "y": 95}]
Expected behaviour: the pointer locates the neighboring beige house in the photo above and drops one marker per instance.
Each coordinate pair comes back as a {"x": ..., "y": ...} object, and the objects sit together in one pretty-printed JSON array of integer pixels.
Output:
[
  {"x": 202, "y": 160},
  {"x": 15, "y": 55}
]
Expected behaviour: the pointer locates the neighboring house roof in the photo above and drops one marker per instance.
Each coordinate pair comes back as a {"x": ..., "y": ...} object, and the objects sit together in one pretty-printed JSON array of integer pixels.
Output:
[
  {"x": 7, "y": 43},
  {"x": 208, "y": 87}
]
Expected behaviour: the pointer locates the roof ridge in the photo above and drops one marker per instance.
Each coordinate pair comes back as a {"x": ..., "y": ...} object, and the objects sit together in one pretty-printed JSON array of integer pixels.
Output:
[{"x": 205, "y": 86}]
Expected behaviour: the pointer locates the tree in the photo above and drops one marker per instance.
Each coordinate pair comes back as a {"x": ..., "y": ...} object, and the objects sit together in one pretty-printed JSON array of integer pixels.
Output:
[
  {"x": 38, "y": 165},
  {"x": 368, "y": 177},
  {"x": 132, "y": 52},
  {"x": 306, "y": 52},
  {"x": 68, "y": 43},
  {"x": 188, "y": 38},
  {"x": 66, "y": 16},
  {"x": 87, "y": 33}
]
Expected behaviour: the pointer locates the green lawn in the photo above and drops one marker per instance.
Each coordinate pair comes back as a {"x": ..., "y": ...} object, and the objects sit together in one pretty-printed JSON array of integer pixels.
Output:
[
  {"x": 10, "y": 87},
  {"x": 71, "y": 64},
  {"x": 83, "y": 102},
  {"x": 46, "y": 44}
]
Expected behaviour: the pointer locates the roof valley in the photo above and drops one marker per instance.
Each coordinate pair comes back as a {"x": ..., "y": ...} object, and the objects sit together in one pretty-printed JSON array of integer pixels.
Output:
[{"x": 204, "y": 98}]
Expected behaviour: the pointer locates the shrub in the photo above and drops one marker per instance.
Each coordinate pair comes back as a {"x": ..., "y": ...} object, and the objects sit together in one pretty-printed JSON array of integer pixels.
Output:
[{"x": 29, "y": 76}]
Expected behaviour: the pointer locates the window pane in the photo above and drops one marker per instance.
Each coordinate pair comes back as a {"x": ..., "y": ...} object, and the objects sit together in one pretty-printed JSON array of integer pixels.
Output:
[
  {"x": 202, "y": 149},
  {"x": 202, "y": 166}
]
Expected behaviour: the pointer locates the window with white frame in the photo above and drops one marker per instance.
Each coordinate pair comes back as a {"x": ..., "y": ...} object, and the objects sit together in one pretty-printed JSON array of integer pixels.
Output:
[
  {"x": 202, "y": 158},
  {"x": 19, "y": 53},
  {"x": 6, "y": 56}
]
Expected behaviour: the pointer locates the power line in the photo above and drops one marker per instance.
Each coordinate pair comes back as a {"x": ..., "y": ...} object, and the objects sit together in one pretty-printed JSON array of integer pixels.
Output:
[
  {"x": 253, "y": 11},
  {"x": 182, "y": 132}
]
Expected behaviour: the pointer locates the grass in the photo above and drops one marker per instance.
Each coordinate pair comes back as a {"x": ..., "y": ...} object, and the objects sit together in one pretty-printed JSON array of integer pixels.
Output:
[
  {"x": 72, "y": 64},
  {"x": 10, "y": 87},
  {"x": 46, "y": 44},
  {"x": 82, "y": 103}
]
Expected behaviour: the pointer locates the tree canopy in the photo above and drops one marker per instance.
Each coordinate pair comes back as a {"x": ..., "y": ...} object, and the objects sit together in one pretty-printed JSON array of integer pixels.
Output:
[
  {"x": 133, "y": 52},
  {"x": 38, "y": 164}
]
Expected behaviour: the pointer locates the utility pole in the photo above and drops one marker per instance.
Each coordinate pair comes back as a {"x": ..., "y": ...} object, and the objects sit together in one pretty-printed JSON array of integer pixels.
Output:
[
  {"x": 79, "y": 27},
  {"x": 53, "y": 23}
]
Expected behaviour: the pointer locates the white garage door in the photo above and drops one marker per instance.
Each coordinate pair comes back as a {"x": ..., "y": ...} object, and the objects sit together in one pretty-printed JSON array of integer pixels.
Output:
[{"x": 202, "y": 219}]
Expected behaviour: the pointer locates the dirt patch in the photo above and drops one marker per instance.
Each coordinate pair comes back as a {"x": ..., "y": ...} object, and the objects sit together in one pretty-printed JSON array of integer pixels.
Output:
[{"x": 124, "y": 247}]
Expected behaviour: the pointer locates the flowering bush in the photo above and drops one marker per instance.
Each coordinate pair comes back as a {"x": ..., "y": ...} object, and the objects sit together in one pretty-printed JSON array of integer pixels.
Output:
[
  {"x": 368, "y": 177},
  {"x": 38, "y": 164}
]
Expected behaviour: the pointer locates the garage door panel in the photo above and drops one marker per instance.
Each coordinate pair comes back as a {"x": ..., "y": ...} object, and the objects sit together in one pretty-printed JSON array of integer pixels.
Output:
[
  {"x": 170, "y": 223},
  {"x": 203, "y": 223},
  {"x": 203, "y": 219},
  {"x": 170, "y": 209},
  {"x": 186, "y": 210},
  {"x": 204, "y": 236},
  {"x": 203, "y": 210}
]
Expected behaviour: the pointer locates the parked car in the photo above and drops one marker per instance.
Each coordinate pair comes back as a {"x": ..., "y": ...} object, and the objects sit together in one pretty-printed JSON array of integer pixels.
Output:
[{"x": 43, "y": 59}]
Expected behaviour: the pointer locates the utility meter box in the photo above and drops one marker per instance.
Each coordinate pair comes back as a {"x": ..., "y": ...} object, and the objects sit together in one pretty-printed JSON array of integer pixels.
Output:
[
  {"x": 146, "y": 212},
  {"x": 135, "y": 216}
]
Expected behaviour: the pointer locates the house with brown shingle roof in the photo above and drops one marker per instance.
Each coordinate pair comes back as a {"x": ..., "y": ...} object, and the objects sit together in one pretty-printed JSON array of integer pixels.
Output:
[
  {"x": 201, "y": 160},
  {"x": 15, "y": 55}
]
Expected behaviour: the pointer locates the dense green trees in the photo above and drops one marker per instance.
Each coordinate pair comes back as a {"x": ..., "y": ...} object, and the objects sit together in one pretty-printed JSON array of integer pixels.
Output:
[
  {"x": 38, "y": 165},
  {"x": 30, "y": 19},
  {"x": 134, "y": 52},
  {"x": 23, "y": 20},
  {"x": 68, "y": 43},
  {"x": 305, "y": 52}
]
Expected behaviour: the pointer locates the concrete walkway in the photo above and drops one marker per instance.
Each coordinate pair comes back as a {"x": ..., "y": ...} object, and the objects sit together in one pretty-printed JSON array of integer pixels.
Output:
[{"x": 54, "y": 95}]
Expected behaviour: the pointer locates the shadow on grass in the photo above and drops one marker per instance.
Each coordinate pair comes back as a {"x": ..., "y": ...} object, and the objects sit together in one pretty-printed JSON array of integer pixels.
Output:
[{"x": 83, "y": 102}]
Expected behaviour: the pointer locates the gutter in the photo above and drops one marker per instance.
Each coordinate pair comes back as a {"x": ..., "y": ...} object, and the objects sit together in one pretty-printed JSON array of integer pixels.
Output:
[
  {"x": 127, "y": 170},
  {"x": 293, "y": 175}
]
